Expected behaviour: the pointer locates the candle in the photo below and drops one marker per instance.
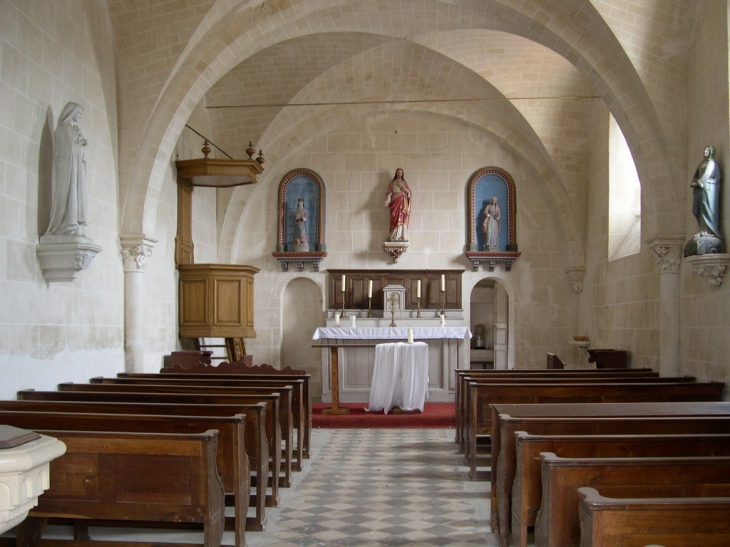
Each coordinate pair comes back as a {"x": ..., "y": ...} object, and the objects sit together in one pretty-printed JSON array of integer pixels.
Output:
[
  {"x": 370, "y": 288},
  {"x": 343, "y": 282},
  {"x": 418, "y": 289},
  {"x": 337, "y": 320},
  {"x": 443, "y": 282},
  {"x": 442, "y": 320},
  {"x": 410, "y": 336}
]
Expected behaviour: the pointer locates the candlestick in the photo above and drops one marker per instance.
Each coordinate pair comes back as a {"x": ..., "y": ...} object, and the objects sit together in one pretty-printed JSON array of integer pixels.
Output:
[
  {"x": 370, "y": 306},
  {"x": 418, "y": 303},
  {"x": 370, "y": 288},
  {"x": 443, "y": 312},
  {"x": 343, "y": 315},
  {"x": 418, "y": 289}
]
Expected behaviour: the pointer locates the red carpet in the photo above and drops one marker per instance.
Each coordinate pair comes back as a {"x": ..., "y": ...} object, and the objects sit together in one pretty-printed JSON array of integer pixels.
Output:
[{"x": 435, "y": 415}]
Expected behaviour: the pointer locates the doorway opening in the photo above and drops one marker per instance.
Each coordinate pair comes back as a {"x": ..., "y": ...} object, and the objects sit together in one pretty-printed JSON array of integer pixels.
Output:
[{"x": 489, "y": 312}]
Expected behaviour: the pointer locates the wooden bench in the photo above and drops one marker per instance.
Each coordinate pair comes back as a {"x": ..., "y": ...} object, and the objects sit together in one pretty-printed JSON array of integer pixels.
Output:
[
  {"x": 244, "y": 370},
  {"x": 462, "y": 375},
  {"x": 545, "y": 380},
  {"x": 479, "y": 418},
  {"x": 233, "y": 465},
  {"x": 527, "y": 489},
  {"x": 280, "y": 458},
  {"x": 641, "y": 422},
  {"x": 291, "y": 390},
  {"x": 122, "y": 477},
  {"x": 255, "y": 441},
  {"x": 638, "y": 522},
  {"x": 558, "y": 521},
  {"x": 301, "y": 404}
]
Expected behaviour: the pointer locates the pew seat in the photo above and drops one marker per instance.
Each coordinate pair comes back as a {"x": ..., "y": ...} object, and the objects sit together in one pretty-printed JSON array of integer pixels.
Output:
[
  {"x": 232, "y": 461},
  {"x": 558, "y": 521},
  {"x": 527, "y": 486},
  {"x": 637, "y": 522},
  {"x": 123, "y": 477}
]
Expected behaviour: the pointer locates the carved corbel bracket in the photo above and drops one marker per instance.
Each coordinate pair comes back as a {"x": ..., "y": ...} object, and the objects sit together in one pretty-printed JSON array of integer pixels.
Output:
[
  {"x": 63, "y": 257},
  {"x": 395, "y": 249},
  {"x": 711, "y": 266},
  {"x": 492, "y": 259},
  {"x": 576, "y": 276},
  {"x": 300, "y": 259}
]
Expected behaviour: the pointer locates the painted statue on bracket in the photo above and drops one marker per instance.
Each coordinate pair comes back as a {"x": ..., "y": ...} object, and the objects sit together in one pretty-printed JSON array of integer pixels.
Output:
[
  {"x": 301, "y": 241},
  {"x": 69, "y": 202},
  {"x": 706, "y": 206},
  {"x": 398, "y": 198}
]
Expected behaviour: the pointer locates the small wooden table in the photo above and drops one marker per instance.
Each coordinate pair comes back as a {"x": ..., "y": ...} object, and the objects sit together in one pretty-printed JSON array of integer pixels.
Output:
[{"x": 335, "y": 372}]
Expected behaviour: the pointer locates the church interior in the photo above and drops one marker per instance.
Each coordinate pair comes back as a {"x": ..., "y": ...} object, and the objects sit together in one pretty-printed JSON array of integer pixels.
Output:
[{"x": 250, "y": 149}]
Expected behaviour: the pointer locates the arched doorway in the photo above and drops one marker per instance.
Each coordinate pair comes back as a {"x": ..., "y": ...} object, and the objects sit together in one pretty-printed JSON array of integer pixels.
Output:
[
  {"x": 301, "y": 308},
  {"x": 489, "y": 312}
]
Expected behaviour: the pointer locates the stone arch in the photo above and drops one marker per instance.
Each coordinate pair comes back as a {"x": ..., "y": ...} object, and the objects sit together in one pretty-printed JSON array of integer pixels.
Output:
[{"x": 574, "y": 30}]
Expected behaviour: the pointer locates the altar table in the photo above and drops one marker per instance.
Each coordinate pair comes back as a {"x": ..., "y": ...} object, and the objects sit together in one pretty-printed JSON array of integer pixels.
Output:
[
  {"x": 349, "y": 363},
  {"x": 400, "y": 377}
]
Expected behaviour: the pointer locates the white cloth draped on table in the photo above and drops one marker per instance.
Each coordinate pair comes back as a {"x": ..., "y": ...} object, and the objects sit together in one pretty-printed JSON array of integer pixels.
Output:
[
  {"x": 400, "y": 377},
  {"x": 390, "y": 333}
]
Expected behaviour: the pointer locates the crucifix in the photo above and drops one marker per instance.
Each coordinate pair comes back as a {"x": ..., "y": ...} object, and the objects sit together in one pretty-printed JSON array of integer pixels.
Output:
[{"x": 393, "y": 299}]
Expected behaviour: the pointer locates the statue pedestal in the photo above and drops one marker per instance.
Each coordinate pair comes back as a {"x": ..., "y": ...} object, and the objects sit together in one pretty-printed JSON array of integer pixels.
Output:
[
  {"x": 63, "y": 257},
  {"x": 704, "y": 245},
  {"x": 395, "y": 249}
]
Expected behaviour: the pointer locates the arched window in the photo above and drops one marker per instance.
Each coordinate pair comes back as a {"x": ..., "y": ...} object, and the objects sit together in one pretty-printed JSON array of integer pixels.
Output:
[{"x": 624, "y": 197}]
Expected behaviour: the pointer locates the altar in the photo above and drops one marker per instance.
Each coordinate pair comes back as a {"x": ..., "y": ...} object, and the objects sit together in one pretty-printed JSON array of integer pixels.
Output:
[{"x": 352, "y": 349}]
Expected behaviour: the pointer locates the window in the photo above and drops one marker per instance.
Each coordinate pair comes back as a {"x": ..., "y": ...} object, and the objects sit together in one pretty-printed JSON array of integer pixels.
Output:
[{"x": 624, "y": 197}]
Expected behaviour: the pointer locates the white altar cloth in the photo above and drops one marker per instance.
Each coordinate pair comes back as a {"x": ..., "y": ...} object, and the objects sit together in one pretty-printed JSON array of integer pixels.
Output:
[
  {"x": 390, "y": 333},
  {"x": 400, "y": 377}
]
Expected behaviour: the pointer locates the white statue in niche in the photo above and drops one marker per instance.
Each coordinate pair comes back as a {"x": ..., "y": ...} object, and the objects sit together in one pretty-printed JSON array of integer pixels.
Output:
[
  {"x": 69, "y": 203},
  {"x": 491, "y": 225},
  {"x": 301, "y": 239}
]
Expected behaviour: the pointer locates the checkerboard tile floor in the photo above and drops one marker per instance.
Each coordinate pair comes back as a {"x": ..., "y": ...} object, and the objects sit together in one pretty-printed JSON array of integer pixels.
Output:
[{"x": 381, "y": 487}]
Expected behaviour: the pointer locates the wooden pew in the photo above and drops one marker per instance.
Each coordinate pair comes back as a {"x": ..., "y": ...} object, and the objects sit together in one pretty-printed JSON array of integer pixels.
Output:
[
  {"x": 122, "y": 477},
  {"x": 527, "y": 489},
  {"x": 291, "y": 390},
  {"x": 462, "y": 375},
  {"x": 279, "y": 457},
  {"x": 640, "y": 422},
  {"x": 479, "y": 418},
  {"x": 298, "y": 394},
  {"x": 548, "y": 379},
  {"x": 240, "y": 368},
  {"x": 255, "y": 441},
  {"x": 232, "y": 460},
  {"x": 637, "y": 522},
  {"x": 558, "y": 521}
]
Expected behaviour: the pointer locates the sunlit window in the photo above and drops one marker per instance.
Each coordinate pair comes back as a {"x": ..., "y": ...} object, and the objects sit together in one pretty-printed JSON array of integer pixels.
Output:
[{"x": 624, "y": 197}]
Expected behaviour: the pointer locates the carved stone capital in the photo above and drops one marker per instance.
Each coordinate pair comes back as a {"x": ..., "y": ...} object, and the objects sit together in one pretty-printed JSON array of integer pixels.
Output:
[
  {"x": 712, "y": 266},
  {"x": 136, "y": 251},
  {"x": 576, "y": 276},
  {"x": 667, "y": 251}
]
